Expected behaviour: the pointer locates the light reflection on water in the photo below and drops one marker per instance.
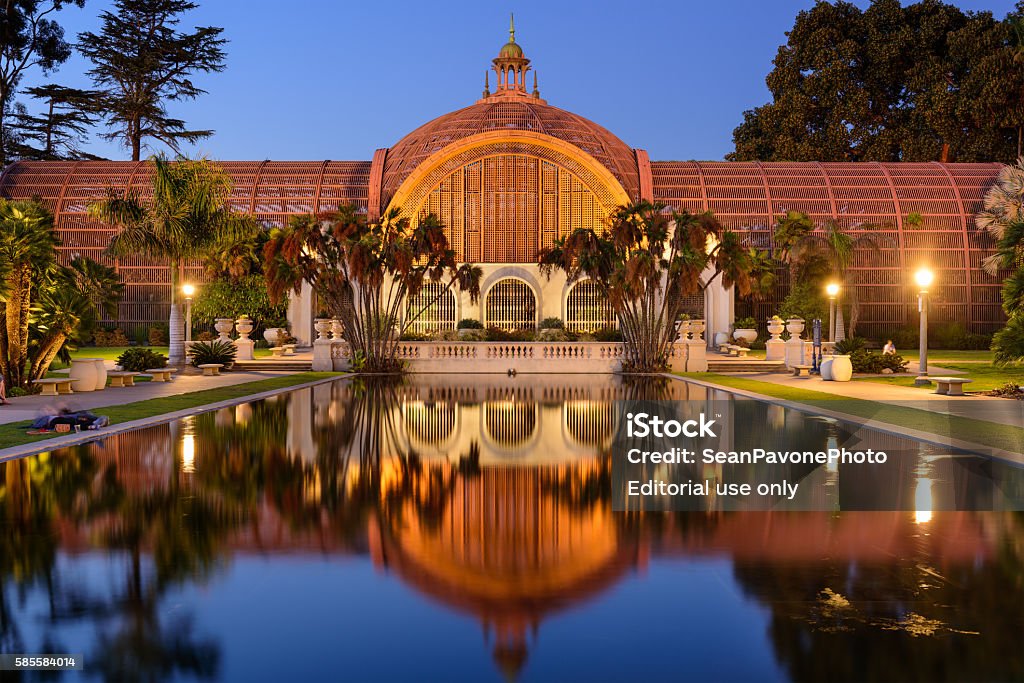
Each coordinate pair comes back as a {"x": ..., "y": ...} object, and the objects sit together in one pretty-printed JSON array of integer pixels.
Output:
[{"x": 462, "y": 530}]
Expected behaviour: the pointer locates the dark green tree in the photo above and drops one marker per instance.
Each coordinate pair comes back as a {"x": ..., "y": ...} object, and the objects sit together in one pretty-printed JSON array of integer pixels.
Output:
[
  {"x": 925, "y": 82},
  {"x": 142, "y": 62},
  {"x": 60, "y": 130},
  {"x": 29, "y": 38}
]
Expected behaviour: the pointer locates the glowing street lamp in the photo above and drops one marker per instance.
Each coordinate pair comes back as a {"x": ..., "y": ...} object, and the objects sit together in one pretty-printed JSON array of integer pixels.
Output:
[
  {"x": 832, "y": 289},
  {"x": 188, "y": 291},
  {"x": 924, "y": 278}
]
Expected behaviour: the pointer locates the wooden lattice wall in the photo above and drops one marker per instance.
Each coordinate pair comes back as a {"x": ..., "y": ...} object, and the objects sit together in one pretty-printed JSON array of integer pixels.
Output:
[{"x": 863, "y": 197}]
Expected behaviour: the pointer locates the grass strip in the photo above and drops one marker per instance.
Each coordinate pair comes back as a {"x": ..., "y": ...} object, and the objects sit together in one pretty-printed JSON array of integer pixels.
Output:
[
  {"x": 981, "y": 432},
  {"x": 13, "y": 434}
]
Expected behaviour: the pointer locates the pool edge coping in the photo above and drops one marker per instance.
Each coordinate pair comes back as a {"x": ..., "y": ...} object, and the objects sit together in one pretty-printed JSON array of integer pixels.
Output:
[
  {"x": 80, "y": 438},
  {"x": 884, "y": 427}
]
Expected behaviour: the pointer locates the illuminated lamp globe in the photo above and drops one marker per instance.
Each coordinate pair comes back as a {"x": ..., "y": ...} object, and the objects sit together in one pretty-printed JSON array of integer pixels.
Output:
[
  {"x": 188, "y": 290},
  {"x": 832, "y": 290},
  {"x": 924, "y": 278}
]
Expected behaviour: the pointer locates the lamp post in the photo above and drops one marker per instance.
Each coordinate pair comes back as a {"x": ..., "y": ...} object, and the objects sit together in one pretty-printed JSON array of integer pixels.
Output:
[
  {"x": 188, "y": 291},
  {"x": 832, "y": 289},
  {"x": 924, "y": 278}
]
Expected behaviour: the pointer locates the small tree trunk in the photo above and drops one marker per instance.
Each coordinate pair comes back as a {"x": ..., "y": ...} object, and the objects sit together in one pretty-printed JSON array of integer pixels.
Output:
[{"x": 49, "y": 346}]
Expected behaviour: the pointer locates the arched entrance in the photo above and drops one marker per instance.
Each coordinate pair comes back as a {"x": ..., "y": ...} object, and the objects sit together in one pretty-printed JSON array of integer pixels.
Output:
[{"x": 510, "y": 305}]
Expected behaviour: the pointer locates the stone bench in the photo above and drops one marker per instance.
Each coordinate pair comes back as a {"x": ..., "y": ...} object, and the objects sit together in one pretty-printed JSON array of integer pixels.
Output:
[
  {"x": 738, "y": 351},
  {"x": 121, "y": 378},
  {"x": 724, "y": 348},
  {"x": 52, "y": 387},
  {"x": 802, "y": 370},
  {"x": 283, "y": 350},
  {"x": 951, "y": 386},
  {"x": 210, "y": 369},
  {"x": 160, "y": 374}
]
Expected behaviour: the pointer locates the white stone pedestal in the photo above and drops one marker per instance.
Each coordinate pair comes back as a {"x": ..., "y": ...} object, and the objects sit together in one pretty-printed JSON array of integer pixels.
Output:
[
  {"x": 244, "y": 349},
  {"x": 697, "y": 355},
  {"x": 775, "y": 349}
]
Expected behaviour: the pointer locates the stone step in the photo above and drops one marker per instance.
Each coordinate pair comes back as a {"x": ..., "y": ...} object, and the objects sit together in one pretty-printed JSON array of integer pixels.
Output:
[{"x": 745, "y": 366}]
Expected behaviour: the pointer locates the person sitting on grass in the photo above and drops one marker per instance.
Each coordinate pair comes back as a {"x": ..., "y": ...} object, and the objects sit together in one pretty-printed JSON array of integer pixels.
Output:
[{"x": 889, "y": 347}]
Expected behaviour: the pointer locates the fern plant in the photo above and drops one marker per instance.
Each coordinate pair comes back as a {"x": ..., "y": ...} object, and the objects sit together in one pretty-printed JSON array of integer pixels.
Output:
[
  {"x": 210, "y": 352},
  {"x": 138, "y": 359}
]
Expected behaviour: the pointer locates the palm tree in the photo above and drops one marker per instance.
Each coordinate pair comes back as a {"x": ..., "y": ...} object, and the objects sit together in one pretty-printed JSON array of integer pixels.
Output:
[
  {"x": 27, "y": 253},
  {"x": 813, "y": 255},
  {"x": 185, "y": 219}
]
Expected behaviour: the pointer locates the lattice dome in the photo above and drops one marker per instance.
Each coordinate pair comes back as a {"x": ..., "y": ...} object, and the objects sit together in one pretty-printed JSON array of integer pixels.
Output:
[{"x": 505, "y": 114}]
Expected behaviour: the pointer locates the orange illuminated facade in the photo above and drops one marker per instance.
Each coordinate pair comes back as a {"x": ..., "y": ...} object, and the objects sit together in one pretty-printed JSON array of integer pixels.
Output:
[{"x": 510, "y": 173}]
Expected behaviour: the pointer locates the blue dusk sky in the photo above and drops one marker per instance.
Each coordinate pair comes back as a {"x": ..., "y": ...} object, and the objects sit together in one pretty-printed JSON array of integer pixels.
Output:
[{"x": 336, "y": 79}]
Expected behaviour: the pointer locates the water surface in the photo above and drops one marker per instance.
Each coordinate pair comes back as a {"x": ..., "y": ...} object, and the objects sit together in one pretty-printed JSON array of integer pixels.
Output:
[{"x": 461, "y": 530}]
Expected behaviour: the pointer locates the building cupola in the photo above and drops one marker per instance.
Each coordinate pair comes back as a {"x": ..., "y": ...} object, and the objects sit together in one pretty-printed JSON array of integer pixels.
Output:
[{"x": 511, "y": 66}]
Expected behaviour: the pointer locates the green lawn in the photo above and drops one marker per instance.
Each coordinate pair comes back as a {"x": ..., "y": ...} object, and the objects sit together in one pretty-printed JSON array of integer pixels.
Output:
[
  {"x": 112, "y": 352},
  {"x": 981, "y": 432},
  {"x": 14, "y": 434},
  {"x": 985, "y": 375}
]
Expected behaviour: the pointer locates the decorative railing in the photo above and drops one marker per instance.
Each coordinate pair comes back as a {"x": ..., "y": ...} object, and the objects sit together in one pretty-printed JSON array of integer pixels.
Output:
[{"x": 555, "y": 357}]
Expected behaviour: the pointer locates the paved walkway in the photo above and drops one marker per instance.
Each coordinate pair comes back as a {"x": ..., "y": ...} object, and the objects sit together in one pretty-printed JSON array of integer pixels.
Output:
[
  {"x": 29, "y": 407},
  {"x": 988, "y": 408}
]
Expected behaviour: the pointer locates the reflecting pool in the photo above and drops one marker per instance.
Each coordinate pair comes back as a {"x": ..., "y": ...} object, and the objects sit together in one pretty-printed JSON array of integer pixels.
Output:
[{"x": 461, "y": 529}]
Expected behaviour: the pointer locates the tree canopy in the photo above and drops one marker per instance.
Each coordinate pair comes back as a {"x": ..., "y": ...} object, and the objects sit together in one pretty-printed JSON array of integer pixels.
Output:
[
  {"x": 925, "y": 82},
  {"x": 142, "y": 62}
]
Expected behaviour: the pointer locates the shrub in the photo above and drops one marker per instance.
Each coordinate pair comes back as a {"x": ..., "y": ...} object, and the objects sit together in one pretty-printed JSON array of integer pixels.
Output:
[
  {"x": 872, "y": 363},
  {"x": 138, "y": 359},
  {"x": 551, "y": 324},
  {"x": 806, "y": 301},
  {"x": 408, "y": 335},
  {"x": 470, "y": 324},
  {"x": 608, "y": 334},
  {"x": 1010, "y": 389},
  {"x": 551, "y": 334},
  {"x": 114, "y": 337},
  {"x": 470, "y": 334},
  {"x": 15, "y": 392},
  {"x": 205, "y": 335},
  {"x": 216, "y": 351},
  {"x": 1008, "y": 343},
  {"x": 744, "y": 324},
  {"x": 848, "y": 346},
  {"x": 498, "y": 334},
  {"x": 227, "y": 298},
  {"x": 956, "y": 336},
  {"x": 157, "y": 334}
]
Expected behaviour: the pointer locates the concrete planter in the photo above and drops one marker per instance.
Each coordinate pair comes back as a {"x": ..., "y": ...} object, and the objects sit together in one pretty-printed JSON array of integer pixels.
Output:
[
  {"x": 842, "y": 368},
  {"x": 84, "y": 374},
  {"x": 795, "y": 327},
  {"x": 826, "y": 368},
  {"x": 746, "y": 334}
]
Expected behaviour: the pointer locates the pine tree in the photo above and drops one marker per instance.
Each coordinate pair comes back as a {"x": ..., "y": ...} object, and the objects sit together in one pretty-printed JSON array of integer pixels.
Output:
[
  {"x": 142, "y": 62},
  {"x": 29, "y": 38},
  {"x": 60, "y": 130}
]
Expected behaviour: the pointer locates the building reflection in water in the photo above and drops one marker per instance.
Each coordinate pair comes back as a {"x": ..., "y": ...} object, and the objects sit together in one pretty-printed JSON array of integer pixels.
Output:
[{"x": 492, "y": 498}]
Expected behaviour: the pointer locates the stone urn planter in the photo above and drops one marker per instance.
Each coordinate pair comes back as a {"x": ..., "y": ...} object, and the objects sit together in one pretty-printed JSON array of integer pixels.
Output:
[
  {"x": 273, "y": 334},
  {"x": 337, "y": 329},
  {"x": 746, "y": 334},
  {"x": 697, "y": 329},
  {"x": 842, "y": 368},
  {"x": 224, "y": 327},
  {"x": 721, "y": 338},
  {"x": 684, "y": 330},
  {"x": 322, "y": 327},
  {"x": 795, "y": 327},
  {"x": 84, "y": 374},
  {"x": 244, "y": 327},
  {"x": 775, "y": 328},
  {"x": 826, "y": 368}
]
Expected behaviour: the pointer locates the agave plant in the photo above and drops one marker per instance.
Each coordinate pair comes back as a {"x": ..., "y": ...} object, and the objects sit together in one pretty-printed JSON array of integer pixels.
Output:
[{"x": 215, "y": 351}]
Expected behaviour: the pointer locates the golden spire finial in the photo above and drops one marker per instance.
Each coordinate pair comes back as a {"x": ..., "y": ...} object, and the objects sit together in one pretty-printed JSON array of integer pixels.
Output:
[
  {"x": 512, "y": 28},
  {"x": 536, "y": 92},
  {"x": 487, "y": 84}
]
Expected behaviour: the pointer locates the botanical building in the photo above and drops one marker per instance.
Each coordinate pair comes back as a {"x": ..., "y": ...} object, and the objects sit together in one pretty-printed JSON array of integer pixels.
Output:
[{"x": 510, "y": 173}]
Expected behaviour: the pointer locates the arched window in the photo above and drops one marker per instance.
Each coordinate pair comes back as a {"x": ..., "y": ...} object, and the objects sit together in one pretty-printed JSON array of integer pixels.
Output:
[
  {"x": 587, "y": 309},
  {"x": 510, "y": 424},
  {"x": 511, "y": 305},
  {"x": 433, "y": 309}
]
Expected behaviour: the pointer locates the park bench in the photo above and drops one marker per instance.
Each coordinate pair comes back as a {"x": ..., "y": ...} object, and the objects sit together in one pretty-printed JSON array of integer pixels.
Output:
[
  {"x": 802, "y": 370},
  {"x": 283, "y": 350},
  {"x": 120, "y": 378},
  {"x": 739, "y": 351},
  {"x": 951, "y": 386},
  {"x": 724, "y": 348},
  {"x": 52, "y": 387},
  {"x": 160, "y": 374},
  {"x": 210, "y": 369}
]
